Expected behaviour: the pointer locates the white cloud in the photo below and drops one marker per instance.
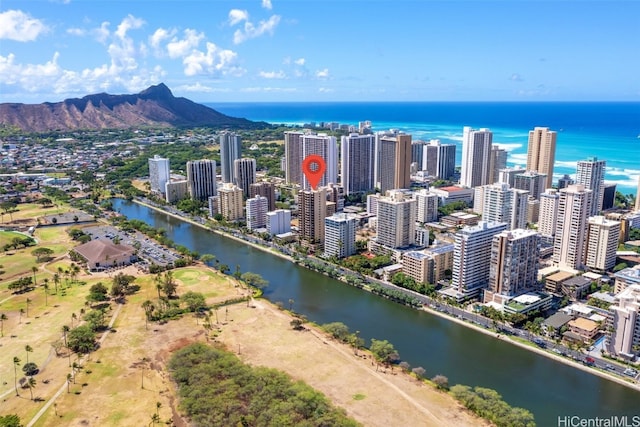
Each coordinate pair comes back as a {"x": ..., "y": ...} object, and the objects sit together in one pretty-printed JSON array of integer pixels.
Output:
[
  {"x": 180, "y": 48},
  {"x": 325, "y": 90},
  {"x": 159, "y": 36},
  {"x": 250, "y": 31},
  {"x": 19, "y": 26},
  {"x": 322, "y": 74},
  {"x": 268, "y": 89},
  {"x": 237, "y": 15},
  {"x": 76, "y": 32},
  {"x": 102, "y": 33},
  {"x": 299, "y": 61},
  {"x": 214, "y": 61},
  {"x": 198, "y": 87},
  {"x": 515, "y": 77},
  {"x": 267, "y": 4},
  {"x": 130, "y": 22},
  {"x": 273, "y": 74}
]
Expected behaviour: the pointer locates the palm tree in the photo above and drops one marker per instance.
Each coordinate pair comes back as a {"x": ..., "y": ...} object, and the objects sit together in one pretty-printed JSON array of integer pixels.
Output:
[
  {"x": 45, "y": 286},
  {"x": 65, "y": 329},
  {"x": 73, "y": 317},
  {"x": 28, "y": 349},
  {"x": 28, "y": 302},
  {"x": 69, "y": 376},
  {"x": 31, "y": 383},
  {"x": 56, "y": 281},
  {"x": 21, "y": 313},
  {"x": 3, "y": 317},
  {"x": 34, "y": 269},
  {"x": 16, "y": 363}
]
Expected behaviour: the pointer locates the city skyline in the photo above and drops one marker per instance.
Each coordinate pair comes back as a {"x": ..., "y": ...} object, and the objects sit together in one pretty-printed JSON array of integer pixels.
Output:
[{"x": 274, "y": 51}]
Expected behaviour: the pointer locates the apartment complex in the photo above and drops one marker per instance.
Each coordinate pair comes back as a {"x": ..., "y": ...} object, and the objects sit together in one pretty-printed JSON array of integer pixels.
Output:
[
  {"x": 158, "y": 174},
  {"x": 201, "y": 179},
  {"x": 541, "y": 152},
  {"x": 358, "y": 154},
  {"x": 256, "y": 209},
  {"x": 340, "y": 235},
  {"x": 230, "y": 150},
  {"x": 244, "y": 173},
  {"x": 396, "y": 220},
  {"x": 476, "y": 157},
  {"x": 393, "y": 161},
  {"x": 571, "y": 223},
  {"x": 590, "y": 174}
]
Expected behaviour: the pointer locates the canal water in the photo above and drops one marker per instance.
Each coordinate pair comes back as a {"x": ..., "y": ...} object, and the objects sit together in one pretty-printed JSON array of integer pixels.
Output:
[{"x": 545, "y": 387}]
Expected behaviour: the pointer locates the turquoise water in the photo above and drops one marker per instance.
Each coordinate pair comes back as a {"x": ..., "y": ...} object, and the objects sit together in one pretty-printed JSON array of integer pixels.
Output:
[{"x": 608, "y": 131}]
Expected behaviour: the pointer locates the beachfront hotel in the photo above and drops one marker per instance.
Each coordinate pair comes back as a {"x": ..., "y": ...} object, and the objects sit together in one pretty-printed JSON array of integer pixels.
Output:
[
  {"x": 541, "y": 152},
  {"x": 476, "y": 157}
]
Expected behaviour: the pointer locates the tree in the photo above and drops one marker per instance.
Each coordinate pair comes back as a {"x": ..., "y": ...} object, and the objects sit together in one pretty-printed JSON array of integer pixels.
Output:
[
  {"x": 82, "y": 339},
  {"x": 419, "y": 372},
  {"x": 3, "y": 317},
  {"x": 65, "y": 330},
  {"x": 383, "y": 351},
  {"x": 194, "y": 301},
  {"x": 41, "y": 253},
  {"x": 96, "y": 319},
  {"x": 16, "y": 363},
  {"x": 56, "y": 281},
  {"x": 97, "y": 293},
  {"x": 169, "y": 285},
  {"x": 45, "y": 286},
  {"x": 10, "y": 421},
  {"x": 207, "y": 258},
  {"x": 28, "y": 349},
  {"x": 28, "y": 301},
  {"x": 338, "y": 330},
  {"x": 31, "y": 384},
  {"x": 441, "y": 382},
  {"x": 69, "y": 378},
  {"x": 254, "y": 280}
]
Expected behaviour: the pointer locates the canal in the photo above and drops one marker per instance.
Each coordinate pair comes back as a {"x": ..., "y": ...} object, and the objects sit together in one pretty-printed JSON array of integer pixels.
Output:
[{"x": 545, "y": 387}]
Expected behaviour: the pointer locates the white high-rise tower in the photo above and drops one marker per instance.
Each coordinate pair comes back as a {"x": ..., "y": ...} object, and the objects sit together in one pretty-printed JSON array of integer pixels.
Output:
[{"x": 476, "y": 157}]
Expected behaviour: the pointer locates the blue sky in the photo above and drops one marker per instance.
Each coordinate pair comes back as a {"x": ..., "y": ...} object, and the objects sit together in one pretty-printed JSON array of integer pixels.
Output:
[{"x": 329, "y": 50}]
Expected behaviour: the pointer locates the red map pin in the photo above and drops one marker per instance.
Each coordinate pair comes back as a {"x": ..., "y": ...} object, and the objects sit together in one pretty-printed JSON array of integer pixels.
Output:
[{"x": 313, "y": 167}]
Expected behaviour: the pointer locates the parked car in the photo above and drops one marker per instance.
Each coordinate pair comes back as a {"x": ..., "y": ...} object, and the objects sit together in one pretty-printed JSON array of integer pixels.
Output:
[{"x": 630, "y": 372}]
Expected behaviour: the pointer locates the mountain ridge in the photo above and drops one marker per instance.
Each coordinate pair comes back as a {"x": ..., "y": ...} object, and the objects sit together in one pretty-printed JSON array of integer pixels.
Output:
[{"x": 154, "y": 106}]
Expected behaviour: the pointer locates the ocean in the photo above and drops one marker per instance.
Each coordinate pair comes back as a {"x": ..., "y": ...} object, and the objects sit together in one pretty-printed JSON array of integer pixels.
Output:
[{"x": 607, "y": 130}]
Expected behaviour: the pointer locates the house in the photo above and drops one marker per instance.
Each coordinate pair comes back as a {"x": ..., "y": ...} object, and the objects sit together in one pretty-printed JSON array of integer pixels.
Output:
[{"x": 101, "y": 254}]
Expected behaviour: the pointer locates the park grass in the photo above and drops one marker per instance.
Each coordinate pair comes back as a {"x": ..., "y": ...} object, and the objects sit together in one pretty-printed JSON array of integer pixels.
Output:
[{"x": 35, "y": 210}]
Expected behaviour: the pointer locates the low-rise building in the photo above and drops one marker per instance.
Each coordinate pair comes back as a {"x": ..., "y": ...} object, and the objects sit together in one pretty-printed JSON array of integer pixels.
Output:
[
  {"x": 100, "y": 254},
  {"x": 583, "y": 329}
]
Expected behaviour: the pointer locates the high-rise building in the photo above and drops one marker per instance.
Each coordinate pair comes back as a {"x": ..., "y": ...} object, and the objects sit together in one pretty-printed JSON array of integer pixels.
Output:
[
  {"x": 548, "y": 216},
  {"x": 514, "y": 262},
  {"x": 532, "y": 181},
  {"x": 472, "y": 256},
  {"x": 417, "y": 153},
  {"x": 358, "y": 163},
  {"x": 256, "y": 212},
  {"x": 326, "y": 147},
  {"x": 625, "y": 338},
  {"x": 439, "y": 160},
  {"x": 609, "y": 196},
  {"x": 335, "y": 194},
  {"x": 158, "y": 174},
  {"x": 503, "y": 204},
  {"x": 372, "y": 204},
  {"x": 393, "y": 161},
  {"x": 230, "y": 150},
  {"x": 264, "y": 189},
  {"x": 430, "y": 265},
  {"x": 601, "y": 243},
  {"x": 279, "y": 221},
  {"x": 244, "y": 172},
  {"x": 396, "y": 220},
  {"x": 476, "y": 157},
  {"x": 590, "y": 173},
  {"x": 498, "y": 162},
  {"x": 293, "y": 157},
  {"x": 312, "y": 210},
  {"x": 201, "y": 179},
  {"x": 508, "y": 175},
  {"x": 638, "y": 196},
  {"x": 541, "y": 152},
  {"x": 565, "y": 181},
  {"x": 176, "y": 191},
  {"x": 230, "y": 202},
  {"x": 427, "y": 204},
  {"x": 340, "y": 235},
  {"x": 574, "y": 204}
]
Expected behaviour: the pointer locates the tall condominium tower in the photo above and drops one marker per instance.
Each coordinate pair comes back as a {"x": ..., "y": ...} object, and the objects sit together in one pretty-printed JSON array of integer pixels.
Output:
[
  {"x": 340, "y": 235},
  {"x": 201, "y": 179},
  {"x": 590, "y": 173},
  {"x": 158, "y": 173},
  {"x": 264, "y": 189},
  {"x": 574, "y": 205},
  {"x": 230, "y": 202},
  {"x": 417, "y": 153},
  {"x": 472, "y": 257},
  {"x": 312, "y": 210},
  {"x": 508, "y": 175},
  {"x": 626, "y": 323},
  {"x": 532, "y": 181},
  {"x": 504, "y": 204},
  {"x": 498, "y": 162},
  {"x": 256, "y": 212},
  {"x": 427, "y": 206},
  {"x": 393, "y": 161},
  {"x": 541, "y": 152},
  {"x": 601, "y": 243},
  {"x": 439, "y": 160},
  {"x": 244, "y": 172},
  {"x": 293, "y": 157},
  {"x": 565, "y": 181},
  {"x": 230, "y": 149},
  {"x": 514, "y": 262},
  {"x": 396, "y": 220},
  {"x": 326, "y": 147},
  {"x": 358, "y": 163},
  {"x": 476, "y": 157},
  {"x": 548, "y": 215}
]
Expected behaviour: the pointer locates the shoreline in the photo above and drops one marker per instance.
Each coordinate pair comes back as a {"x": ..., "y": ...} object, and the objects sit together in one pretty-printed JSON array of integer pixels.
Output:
[{"x": 541, "y": 352}]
